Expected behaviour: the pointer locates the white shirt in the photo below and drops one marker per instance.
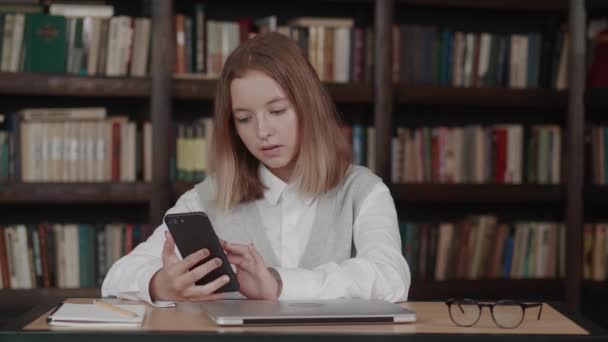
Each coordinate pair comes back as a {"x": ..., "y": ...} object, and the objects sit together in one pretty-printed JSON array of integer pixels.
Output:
[{"x": 378, "y": 271}]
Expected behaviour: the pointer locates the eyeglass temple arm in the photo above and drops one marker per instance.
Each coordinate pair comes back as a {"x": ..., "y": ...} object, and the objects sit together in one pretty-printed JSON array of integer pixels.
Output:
[{"x": 531, "y": 305}]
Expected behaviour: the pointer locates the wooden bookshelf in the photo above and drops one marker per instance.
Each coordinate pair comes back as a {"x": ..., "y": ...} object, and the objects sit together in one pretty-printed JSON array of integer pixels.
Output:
[
  {"x": 487, "y": 289},
  {"x": 75, "y": 192},
  {"x": 162, "y": 90},
  {"x": 482, "y": 97},
  {"x": 477, "y": 193},
  {"x": 519, "y": 5},
  {"x": 204, "y": 89},
  {"x": 70, "y": 85}
]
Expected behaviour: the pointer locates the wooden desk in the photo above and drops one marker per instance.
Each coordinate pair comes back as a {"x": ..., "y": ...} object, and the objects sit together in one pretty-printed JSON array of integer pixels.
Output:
[{"x": 433, "y": 318}]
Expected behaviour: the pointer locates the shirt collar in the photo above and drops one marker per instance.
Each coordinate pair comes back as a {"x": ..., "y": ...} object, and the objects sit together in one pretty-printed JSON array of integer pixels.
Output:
[
  {"x": 273, "y": 184},
  {"x": 276, "y": 186}
]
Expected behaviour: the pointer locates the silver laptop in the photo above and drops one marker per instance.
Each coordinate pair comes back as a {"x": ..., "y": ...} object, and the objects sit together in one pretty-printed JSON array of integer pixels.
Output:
[{"x": 339, "y": 311}]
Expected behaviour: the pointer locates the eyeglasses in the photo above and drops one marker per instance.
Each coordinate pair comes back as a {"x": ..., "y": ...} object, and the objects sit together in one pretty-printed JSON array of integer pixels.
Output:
[{"x": 508, "y": 314}]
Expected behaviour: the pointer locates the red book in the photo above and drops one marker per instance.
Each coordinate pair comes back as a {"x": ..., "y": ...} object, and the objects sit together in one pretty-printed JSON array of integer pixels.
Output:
[
  {"x": 500, "y": 134},
  {"x": 598, "y": 73},
  {"x": 6, "y": 277}
]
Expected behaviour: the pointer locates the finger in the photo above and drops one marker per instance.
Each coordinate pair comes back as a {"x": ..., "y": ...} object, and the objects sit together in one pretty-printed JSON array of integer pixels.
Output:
[
  {"x": 235, "y": 259},
  {"x": 257, "y": 257},
  {"x": 205, "y": 290},
  {"x": 168, "y": 254},
  {"x": 189, "y": 278},
  {"x": 194, "y": 258},
  {"x": 236, "y": 248}
]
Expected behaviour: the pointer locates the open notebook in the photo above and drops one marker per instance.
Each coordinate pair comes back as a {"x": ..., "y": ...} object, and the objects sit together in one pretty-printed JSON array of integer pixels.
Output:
[{"x": 91, "y": 315}]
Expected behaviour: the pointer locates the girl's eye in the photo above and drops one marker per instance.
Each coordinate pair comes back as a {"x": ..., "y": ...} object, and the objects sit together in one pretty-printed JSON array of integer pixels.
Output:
[
  {"x": 243, "y": 119},
  {"x": 277, "y": 112}
]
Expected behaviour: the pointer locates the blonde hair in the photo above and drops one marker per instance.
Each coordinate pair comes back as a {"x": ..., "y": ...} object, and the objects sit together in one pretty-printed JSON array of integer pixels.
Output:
[{"x": 324, "y": 153}]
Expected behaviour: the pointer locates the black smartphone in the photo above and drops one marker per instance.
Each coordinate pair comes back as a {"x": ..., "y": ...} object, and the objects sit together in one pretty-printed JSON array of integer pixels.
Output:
[{"x": 192, "y": 232}]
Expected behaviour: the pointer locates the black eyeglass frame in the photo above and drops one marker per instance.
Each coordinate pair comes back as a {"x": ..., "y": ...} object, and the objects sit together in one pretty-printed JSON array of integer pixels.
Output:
[{"x": 491, "y": 305}]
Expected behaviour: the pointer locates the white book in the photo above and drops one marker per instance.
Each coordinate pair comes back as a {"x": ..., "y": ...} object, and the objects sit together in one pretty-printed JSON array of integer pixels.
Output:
[
  {"x": 63, "y": 114},
  {"x": 557, "y": 155},
  {"x": 94, "y": 315},
  {"x": 147, "y": 132},
  {"x": 23, "y": 271},
  {"x": 485, "y": 44},
  {"x": 81, "y": 10},
  {"x": 71, "y": 252},
  {"x": 92, "y": 33},
  {"x": 141, "y": 47},
  {"x": 7, "y": 42},
  {"x": 17, "y": 41},
  {"x": 10, "y": 237},
  {"x": 341, "y": 54}
]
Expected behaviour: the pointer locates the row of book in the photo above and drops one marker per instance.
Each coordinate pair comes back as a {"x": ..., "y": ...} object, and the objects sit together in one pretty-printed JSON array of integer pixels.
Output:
[
  {"x": 189, "y": 158},
  {"x": 595, "y": 249},
  {"x": 482, "y": 247},
  {"x": 339, "y": 51},
  {"x": 74, "y": 145},
  {"x": 75, "y": 39},
  {"x": 424, "y": 55},
  {"x": 476, "y": 154},
  {"x": 63, "y": 255}
]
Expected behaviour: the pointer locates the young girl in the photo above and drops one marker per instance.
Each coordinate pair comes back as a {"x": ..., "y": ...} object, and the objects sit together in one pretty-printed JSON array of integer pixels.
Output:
[{"x": 297, "y": 220}]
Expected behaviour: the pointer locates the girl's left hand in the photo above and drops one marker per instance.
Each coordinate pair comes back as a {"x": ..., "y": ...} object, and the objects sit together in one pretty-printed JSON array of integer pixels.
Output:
[{"x": 255, "y": 279}]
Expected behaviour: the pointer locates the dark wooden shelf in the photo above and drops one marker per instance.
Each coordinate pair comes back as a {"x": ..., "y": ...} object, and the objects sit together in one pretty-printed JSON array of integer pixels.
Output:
[
  {"x": 597, "y": 4},
  {"x": 519, "y": 5},
  {"x": 486, "y": 97},
  {"x": 71, "y": 85},
  {"x": 488, "y": 289},
  {"x": 597, "y": 97},
  {"x": 477, "y": 192},
  {"x": 74, "y": 192},
  {"x": 204, "y": 89},
  {"x": 596, "y": 193}
]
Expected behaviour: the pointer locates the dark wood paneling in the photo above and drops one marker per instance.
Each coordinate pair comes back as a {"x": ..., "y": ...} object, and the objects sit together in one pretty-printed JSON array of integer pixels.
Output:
[
  {"x": 68, "y": 85},
  {"x": 179, "y": 188},
  {"x": 575, "y": 132},
  {"x": 383, "y": 89},
  {"x": 160, "y": 105},
  {"x": 74, "y": 192},
  {"x": 523, "y": 5},
  {"x": 486, "y": 97},
  {"x": 477, "y": 193},
  {"x": 488, "y": 289}
]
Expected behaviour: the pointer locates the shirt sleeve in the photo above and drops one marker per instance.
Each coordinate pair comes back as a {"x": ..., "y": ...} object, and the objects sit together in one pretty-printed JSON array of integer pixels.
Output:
[
  {"x": 129, "y": 277},
  {"x": 379, "y": 270}
]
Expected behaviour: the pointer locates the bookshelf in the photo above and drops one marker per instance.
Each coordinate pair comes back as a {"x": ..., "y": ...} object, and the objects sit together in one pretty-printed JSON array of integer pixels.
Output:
[{"x": 167, "y": 98}]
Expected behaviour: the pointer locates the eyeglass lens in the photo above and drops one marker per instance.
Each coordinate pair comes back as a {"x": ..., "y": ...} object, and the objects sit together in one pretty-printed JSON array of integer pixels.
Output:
[
  {"x": 465, "y": 312},
  {"x": 508, "y": 314}
]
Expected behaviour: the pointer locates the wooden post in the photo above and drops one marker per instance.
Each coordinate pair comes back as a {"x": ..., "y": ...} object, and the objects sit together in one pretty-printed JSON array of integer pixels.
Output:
[
  {"x": 160, "y": 105},
  {"x": 383, "y": 85},
  {"x": 575, "y": 154}
]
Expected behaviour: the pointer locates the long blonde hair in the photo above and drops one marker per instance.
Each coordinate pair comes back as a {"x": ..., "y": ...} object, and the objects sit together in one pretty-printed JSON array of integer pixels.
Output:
[{"x": 324, "y": 153}]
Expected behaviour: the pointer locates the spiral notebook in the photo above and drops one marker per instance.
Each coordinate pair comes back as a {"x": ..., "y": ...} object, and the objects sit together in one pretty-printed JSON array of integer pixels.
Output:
[{"x": 91, "y": 315}]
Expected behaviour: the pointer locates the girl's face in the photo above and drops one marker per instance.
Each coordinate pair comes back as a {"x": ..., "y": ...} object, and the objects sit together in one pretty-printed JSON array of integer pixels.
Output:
[{"x": 266, "y": 122}]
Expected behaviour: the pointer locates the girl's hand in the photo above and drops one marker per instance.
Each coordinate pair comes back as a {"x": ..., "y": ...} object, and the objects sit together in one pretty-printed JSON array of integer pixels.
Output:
[
  {"x": 175, "y": 282},
  {"x": 256, "y": 281}
]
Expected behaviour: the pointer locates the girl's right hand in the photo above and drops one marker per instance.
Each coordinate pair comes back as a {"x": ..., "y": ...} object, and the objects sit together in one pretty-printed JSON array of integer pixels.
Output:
[{"x": 175, "y": 282}]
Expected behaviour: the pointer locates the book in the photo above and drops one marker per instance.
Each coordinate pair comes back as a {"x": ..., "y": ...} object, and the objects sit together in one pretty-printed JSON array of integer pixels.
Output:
[{"x": 93, "y": 315}]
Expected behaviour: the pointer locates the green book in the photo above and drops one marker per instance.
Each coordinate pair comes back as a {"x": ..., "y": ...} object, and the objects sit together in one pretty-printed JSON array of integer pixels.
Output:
[{"x": 45, "y": 39}]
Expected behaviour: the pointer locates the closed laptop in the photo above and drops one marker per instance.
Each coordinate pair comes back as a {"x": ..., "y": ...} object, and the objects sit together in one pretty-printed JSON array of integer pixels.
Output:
[{"x": 338, "y": 311}]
